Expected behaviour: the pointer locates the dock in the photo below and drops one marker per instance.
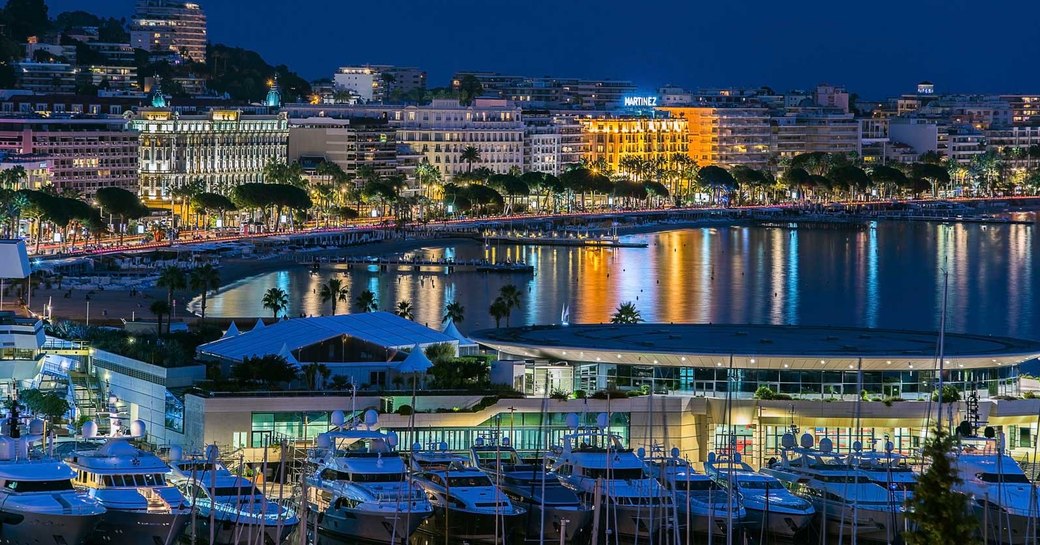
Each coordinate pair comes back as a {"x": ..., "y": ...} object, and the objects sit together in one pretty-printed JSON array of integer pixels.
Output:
[
  {"x": 590, "y": 242},
  {"x": 401, "y": 264}
]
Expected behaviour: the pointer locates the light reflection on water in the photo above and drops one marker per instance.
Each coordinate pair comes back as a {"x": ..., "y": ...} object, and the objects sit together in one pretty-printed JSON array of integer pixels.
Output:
[{"x": 888, "y": 276}]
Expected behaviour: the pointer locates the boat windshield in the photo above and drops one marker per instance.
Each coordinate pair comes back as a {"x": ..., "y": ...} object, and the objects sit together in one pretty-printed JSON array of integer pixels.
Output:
[
  {"x": 622, "y": 474},
  {"x": 470, "y": 481},
  {"x": 356, "y": 446},
  {"x": 38, "y": 486},
  {"x": 843, "y": 478},
  {"x": 147, "y": 479},
  {"x": 758, "y": 485},
  {"x": 231, "y": 491},
  {"x": 1017, "y": 478}
]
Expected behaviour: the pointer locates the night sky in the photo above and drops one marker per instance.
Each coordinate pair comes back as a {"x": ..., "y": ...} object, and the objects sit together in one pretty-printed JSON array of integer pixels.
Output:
[{"x": 876, "y": 48}]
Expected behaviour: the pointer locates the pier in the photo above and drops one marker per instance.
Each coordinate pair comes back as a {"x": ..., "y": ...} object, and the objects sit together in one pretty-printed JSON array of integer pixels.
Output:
[{"x": 402, "y": 264}]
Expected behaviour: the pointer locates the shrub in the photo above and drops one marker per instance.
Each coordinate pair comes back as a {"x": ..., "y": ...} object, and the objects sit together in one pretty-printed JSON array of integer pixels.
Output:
[
  {"x": 765, "y": 393},
  {"x": 950, "y": 394},
  {"x": 404, "y": 410},
  {"x": 580, "y": 394},
  {"x": 1029, "y": 395},
  {"x": 558, "y": 395}
]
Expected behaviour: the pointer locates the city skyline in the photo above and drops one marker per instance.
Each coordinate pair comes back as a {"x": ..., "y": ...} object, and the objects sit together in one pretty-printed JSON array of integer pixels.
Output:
[{"x": 783, "y": 51}]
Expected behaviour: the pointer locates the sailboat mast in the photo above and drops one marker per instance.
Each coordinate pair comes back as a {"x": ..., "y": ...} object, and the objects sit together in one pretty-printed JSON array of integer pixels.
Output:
[{"x": 942, "y": 344}]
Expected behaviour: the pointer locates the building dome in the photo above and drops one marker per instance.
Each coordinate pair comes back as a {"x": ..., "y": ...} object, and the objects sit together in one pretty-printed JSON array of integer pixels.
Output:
[{"x": 158, "y": 99}]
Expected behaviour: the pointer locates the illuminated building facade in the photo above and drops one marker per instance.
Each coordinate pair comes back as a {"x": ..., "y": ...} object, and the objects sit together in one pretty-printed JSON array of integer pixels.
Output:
[
  {"x": 612, "y": 140},
  {"x": 223, "y": 148},
  {"x": 727, "y": 136},
  {"x": 552, "y": 142},
  {"x": 378, "y": 83},
  {"x": 350, "y": 143},
  {"x": 37, "y": 169},
  {"x": 45, "y": 77},
  {"x": 552, "y": 92},
  {"x": 170, "y": 27},
  {"x": 85, "y": 154},
  {"x": 807, "y": 130},
  {"x": 833, "y": 379}
]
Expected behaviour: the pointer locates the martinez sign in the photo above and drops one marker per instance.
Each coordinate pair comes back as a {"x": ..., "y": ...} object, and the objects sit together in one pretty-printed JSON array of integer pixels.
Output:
[{"x": 640, "y": 101}]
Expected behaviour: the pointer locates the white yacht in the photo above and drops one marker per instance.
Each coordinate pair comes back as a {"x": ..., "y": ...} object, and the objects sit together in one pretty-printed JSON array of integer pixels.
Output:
[
  {"x": 699, "y": 501},
  {"x": 467, "y": 506},
  {"x": 38, "y": 503},
  {"x": 594, "y": 463},
  {"x": 360, "y": 485},
  {"x": 239, "y": 511},
  {"x": 141, "y": 507},
  {"x": 1003, "y": 499},
  {"x": 889, "y": 469},
  {"x": 849, "y": 503},
  {"x": 535, "y": 489},
  {"x": 770, "y": 507}
]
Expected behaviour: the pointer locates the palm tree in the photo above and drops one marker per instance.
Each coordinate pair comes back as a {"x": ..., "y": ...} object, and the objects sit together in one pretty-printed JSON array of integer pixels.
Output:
[
  {"x": 277, "y": 300},
  {"x": 498, "y": 310},
  {"x": 626, "y": 313},
  {"x": 333, "y": 291},
  {"x": 172, "y": 278},
  {"x": 159, "y": 308},
  {"x": 510, "y": 294},
  {"x": 366, "y": 302},
  {"x": 404, "y": 310},
  {"x": 312, "y": 372},
  {"x": 454, "y": 312},
  {"x": 470, "y": 155},
  {"x": 204, "y": 279}
]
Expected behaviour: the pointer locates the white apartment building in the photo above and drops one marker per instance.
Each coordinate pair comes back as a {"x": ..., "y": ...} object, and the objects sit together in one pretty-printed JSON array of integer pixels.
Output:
[
  {"x": 169, "y": 27},
  {"x": 552, "y": 142},
  {"x": 807, "y": 130},
  {"x": 376, "y": 83}
]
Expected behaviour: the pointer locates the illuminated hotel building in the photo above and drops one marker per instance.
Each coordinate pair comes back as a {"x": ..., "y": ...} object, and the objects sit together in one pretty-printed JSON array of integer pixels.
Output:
[
  {"x": 223, "y": 148},
  {"x": 613, "y": 139},
  {"x": 727, "y": 136},
  {"x": 170, "y": 27},
  {"x": 807, "y": 130},
  {"x": 85, "y": 154}
]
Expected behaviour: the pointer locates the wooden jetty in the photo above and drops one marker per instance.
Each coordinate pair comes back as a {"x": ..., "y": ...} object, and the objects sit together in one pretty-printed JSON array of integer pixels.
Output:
[{"x": 402, "y": 264}]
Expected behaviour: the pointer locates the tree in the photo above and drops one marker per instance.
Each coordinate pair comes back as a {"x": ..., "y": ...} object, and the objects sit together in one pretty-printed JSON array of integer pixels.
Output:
[
  {"x": 499, "y": 309},
  {"x": 48, "y": 405},
  {"x": 314, "y": 371},
  {"x": 266, "y": 370},
  {"x": 718, "y": 179},
  {"x": 204, "y": 278},
  {"x": 626, "y": 313},
  {"x": 366, "y": 302},
  {"x": 404, "y": 310},
  {"x": 510, "y": 294},
  {"x": 159, "y": 308},
  {"x": 453, "y": 311},
  {"x": 469, "y": 89},
  {"x": 935, "y": 174},
  {"x": 172, "y": 278},
  {"x": 120, "y": 202},
  {"x": 937, "y": 513},
  {"x": 470, "y": 155},
  {"x": 333, "y": 291},
  {"x": 276, "y": 300},
  {"x": 25, "y": 18}
]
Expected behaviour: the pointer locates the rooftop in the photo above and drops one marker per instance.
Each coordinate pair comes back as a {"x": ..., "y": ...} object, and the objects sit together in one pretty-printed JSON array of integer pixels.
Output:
[
  {"x": 384, "y": 329},
  {"x": 756, "y": 346}
]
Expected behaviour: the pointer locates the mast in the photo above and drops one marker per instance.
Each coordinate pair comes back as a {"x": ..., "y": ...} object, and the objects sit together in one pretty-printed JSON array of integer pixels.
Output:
[{"x": 942, "y": 343}]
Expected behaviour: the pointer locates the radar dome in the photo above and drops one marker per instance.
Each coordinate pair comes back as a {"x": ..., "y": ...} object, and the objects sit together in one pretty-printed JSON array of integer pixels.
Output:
[
  {"x": 138, "y": 428},
  {"x": 392, "y": 439},
  {"x": 675, "y": 452},
  {"x": 323, "y": 441},
  {"x": 787, "y": 441},
  {"x": 857, "y": 446},
  {"x": 36, "y": 427},
  {"x": 89, "y": 429},
  {"x": 212, "y": 453},
  {"x": 602, "y": 419},
  {"x": 806, "y": 441},
  {"x": 711, "y": 458},
  {"x": 176, "y": 453},
  {"x": 371, "y": 417},
  {"x": 338, "y": 419},
  {"x": 641, "y": 452},
  {"x": 826, "y": 445},
  {"x": 572, "y": 421}
]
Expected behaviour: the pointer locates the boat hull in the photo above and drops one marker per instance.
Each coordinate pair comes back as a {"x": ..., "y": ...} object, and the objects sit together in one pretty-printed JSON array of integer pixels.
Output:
[
  {"x": 475, "y": 527},
  {"x": 26, "y": 528},
  {"x": 633, "y": 521},
  {"x": 575, "y": 522},
  {"x": 351, "y": 525},
  {"x": 872, "y": 524},
  {"x": 777, "y": 524},
  {"x": 138, "y": 528},
  {"x": 1004, "y": 529},
  {"x": 228, "y": 533}
]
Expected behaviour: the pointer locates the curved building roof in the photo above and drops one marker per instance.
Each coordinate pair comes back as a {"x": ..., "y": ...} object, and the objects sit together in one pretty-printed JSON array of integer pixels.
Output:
[{"x": 757, "y": 346}]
